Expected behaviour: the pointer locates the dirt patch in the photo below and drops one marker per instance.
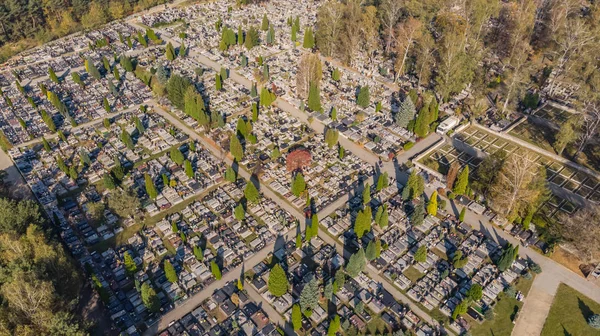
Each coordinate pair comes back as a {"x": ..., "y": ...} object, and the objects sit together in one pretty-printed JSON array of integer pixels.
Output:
[{"x": 568, "y": 260}]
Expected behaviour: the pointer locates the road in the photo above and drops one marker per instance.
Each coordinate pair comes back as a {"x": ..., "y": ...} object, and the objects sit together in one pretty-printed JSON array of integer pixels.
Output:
[
  {"x": 545, "y": 284},
  {"x": 233, "y": 274}
]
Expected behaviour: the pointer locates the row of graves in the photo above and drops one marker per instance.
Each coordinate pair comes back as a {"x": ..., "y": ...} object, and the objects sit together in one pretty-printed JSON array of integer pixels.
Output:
[
  {"x": 84, "y": 102},
  {"x": 570, "y": 187},
  {"x": 21, "y": 112},
  {"x": 34, "y": 62},
  {"x": 69, "y": 175},
  {"x": 228, "y": 311},
  {"x": 358, "y": 302},
  {"x": 208, "y": 225},
  {"x": 434, "y": 282},
  {"x": 201, "y": 20},
  {"x": 373, "y": 127}
]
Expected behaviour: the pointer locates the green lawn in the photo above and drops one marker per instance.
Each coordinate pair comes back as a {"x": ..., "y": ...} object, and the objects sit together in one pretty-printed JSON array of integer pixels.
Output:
[
  {"x": 412, "y": 274},
  {"x": 569, "y": 312},
  {"x": 504, "y": 313}
]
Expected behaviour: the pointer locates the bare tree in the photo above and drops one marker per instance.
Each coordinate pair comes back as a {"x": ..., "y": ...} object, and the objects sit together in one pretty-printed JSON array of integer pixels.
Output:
[
  {"x": 590, "y": 126},
  {"x": 389, "y": 13},
  {"x": 425, "y": 59},
  {"x": 407, "y": 33},
  {"x": 518, "y": 74},
  {"x": 519, "y": 184},
  {"x": 330, "y": 25},
  {"x": 574, "y": 39},
  {"x": 582, "y": 231},
  {"x": 309, "y": 71}
]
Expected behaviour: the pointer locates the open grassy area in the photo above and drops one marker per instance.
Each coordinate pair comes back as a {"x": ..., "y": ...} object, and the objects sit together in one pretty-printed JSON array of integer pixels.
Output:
[
  {"x": 569, "y": 313},
  {"x": 504, "y": 313},
  {"x": 412, "y": 274}
]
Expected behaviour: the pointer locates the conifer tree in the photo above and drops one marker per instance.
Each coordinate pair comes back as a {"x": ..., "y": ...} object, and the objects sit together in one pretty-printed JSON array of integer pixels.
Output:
[
  {"x": 364, "y": 97},
  {"x": 265, "y": 23},
  {"x": 106, "y": 105},
  {"x": 366, "y": 194},
  {"x": 130, "y": 266},
  {"x": 251, "y": 193},
  {"x": 240, "y": 36},
  {"x": 235, "y": 148},
  {"x": 356, "y": 264},
  {"x": 314, "y": 98},
  {"x": 150, "y": 187},
  {"x": 230, "y": 174},
  {"x": 335, "y": 75},
  {"x": 460, "y": 186},
  {"x": 53, "y": 76},
  {"x": 406, "y": 112},
  {"x": 309, "y": 40},
  {"x": 149, "y": 298},
  {"x": 218, "y": 84},
  {"x": 170, "y": 52},
  {"x": 433, "y": 204},
  {"x": 278, "y": 282},
  {"x": 298, "y": 184},
  {"x": 189, "y": 171},
  {"x": 215, "y": 270},
  {"x": 170, "y": 272}
]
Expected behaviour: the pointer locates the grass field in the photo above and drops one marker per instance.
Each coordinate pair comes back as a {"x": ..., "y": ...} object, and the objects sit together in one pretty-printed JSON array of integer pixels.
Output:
[
  {"x": 569, "y": 313},
  {"x": 504, "y": 313}
]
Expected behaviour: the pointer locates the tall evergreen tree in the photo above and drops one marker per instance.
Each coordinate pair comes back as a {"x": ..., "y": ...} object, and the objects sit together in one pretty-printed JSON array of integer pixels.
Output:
[
  {"x": 170, "y": 52},
  {"x": 460, "y": 186},
  {"x": 432, "y": 206},
  {"x": 278, "y": 282},
  {"x": 364, "y": 97},
  {"x": 251, "y": 193},
  {"x": 150, "y": 187},
  {"x": 406, "y": 112},
  {"x": 170, "y": 272},
  {"x": 314, "y": 98},
  {"x": 309, "y": 40},
  {"x": 235, "y": 148}
]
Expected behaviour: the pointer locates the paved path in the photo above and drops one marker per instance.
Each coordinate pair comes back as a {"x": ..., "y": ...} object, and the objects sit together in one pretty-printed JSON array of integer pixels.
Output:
[
  {"x": 545, "y": 284},
  {"x": 385, "y": 283},
  {"x": 536, "y": 308},
  {"x": 233, "y": 274},
  {"x": 15, "y": 183}
]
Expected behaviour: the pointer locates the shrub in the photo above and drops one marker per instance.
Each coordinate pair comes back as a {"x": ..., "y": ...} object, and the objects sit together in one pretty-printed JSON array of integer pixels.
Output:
[
  {"x": 535, "y": 268},
  {"x": 408, "y": 145},
  {"x": 510, "y": 291},
  {"x": 594, "y": 321}
]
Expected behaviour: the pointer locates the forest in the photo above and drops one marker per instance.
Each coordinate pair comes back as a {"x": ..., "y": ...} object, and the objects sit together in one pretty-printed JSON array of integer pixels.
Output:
[
  {"x": 27, "y": 23},
  {"x": 39, "y": 283},
  {"x": 503, "y": 49}
]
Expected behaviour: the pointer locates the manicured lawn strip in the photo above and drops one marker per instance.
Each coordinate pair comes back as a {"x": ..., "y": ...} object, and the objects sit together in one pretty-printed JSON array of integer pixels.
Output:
[
  {"x": 504, "y": 313},
  {"x": 569, "y": 313}
]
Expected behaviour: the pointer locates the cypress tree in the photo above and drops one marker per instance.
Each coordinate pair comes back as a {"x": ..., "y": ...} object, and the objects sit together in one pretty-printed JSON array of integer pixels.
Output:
[
  {"x": 170, "y": 272},
  {"x": 106, "y": 105},
  {"x": 170, "y": 52},
  {"x": 364, "y": 97},
  {"x": 251, "y": 193},
  {"x": 433, "y": 204},
  {"x": 240, "y": 36},
  {"x": 235, "y": 148},
  {"x": 189, "y": 172},
  {"x": 218, "y": 84},
  {"x": 460, "y": 186},
  {"x": 150, "y": 188},
  {"x": 53, "y": 76},
  {"x": 309, "y": 41},
  {"x": 314, "y": 98},
  {"x": 265, "y": 23},
  {"x": 278, "y": 282}
]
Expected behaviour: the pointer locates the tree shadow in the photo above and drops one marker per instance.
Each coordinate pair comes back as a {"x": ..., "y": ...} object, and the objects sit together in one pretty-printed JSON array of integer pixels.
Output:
[
  {"x": 513, "y": 315},
  {"x": 584, "y": 308},
  {"x": 565, "y": 332}
]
